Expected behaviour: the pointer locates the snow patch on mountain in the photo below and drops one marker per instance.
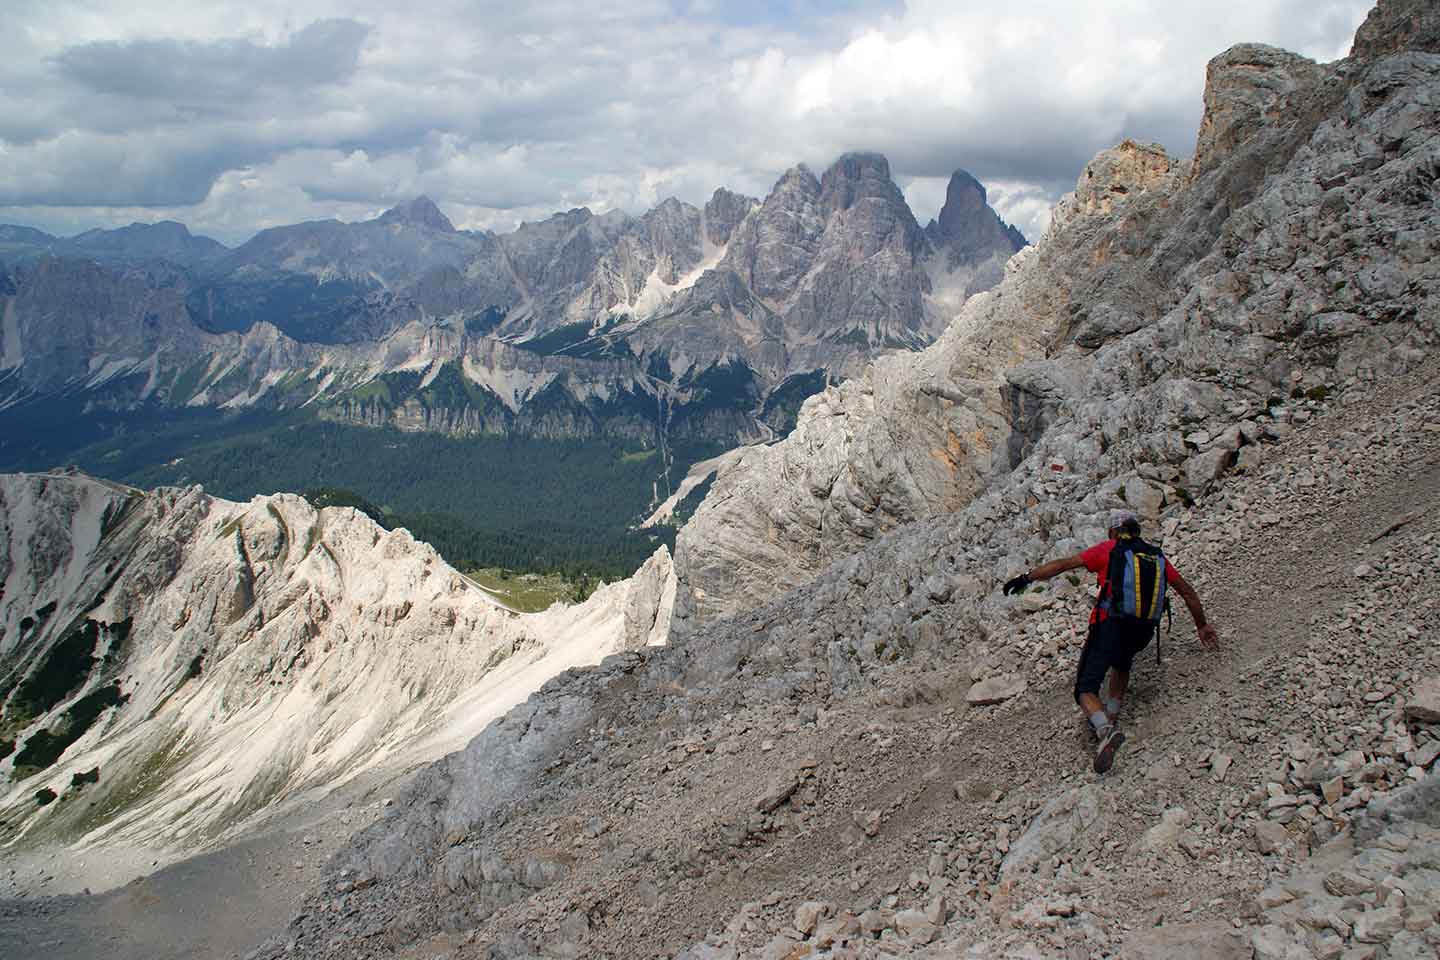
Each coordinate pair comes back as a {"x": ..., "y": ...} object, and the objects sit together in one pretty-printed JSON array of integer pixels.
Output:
[
  {"x": 656, "y": 293},
  {"x": 512, "y": 384}
]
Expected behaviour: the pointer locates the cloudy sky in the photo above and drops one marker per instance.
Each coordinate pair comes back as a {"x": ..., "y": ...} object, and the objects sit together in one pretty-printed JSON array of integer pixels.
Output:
[{"x": 237, "y": 116}]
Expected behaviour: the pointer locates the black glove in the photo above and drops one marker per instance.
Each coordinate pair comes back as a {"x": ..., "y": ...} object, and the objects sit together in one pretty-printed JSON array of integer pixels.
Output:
[{"x": 1016, "y": 584}]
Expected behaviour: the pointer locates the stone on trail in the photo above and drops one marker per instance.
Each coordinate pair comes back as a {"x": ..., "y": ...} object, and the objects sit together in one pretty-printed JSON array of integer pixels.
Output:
[
  {"x": 777, "y": 791},
  {"x": 1271, "y": 837},
  {"x": 1163, "y": 839},
  {"x": 915, "y": 925},
  {"x": 1424, "y": 705},
  {"x": 809, "y": 913},
  {"x": 1145, "y": 498},
  {"x": 1272, "y": 942},
  {"x": 995, "y": 690},
  {"x": 1202, "y": 470},
  {"x": 1378, "y": 926},
  {"x": 1055, "y": 829},
  {"x": 1196, "y": 941}
]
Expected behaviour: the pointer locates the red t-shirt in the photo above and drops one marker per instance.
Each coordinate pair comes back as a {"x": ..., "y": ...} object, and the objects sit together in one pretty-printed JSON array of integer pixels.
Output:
[{"x": 1097, "y": 561}]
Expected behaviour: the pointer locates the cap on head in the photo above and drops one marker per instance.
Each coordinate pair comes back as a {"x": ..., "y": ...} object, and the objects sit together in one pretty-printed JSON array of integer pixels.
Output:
[{"x": 1125, "y": 520}]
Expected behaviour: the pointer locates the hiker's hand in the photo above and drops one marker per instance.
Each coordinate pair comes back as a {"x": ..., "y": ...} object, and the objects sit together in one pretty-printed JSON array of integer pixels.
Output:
[
  {"x": 1016, "y": 584},
  {"x": 1209, "y": 639}
]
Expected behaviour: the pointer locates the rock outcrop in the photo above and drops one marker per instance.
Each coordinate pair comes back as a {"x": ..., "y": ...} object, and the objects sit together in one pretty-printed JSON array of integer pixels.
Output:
[{"x": 918, "y": 435}]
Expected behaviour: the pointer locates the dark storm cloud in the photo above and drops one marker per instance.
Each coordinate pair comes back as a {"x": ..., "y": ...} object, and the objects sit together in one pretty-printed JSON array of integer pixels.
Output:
[
  {"x": 217, "y": 72},
  {"x": 83, "y": 169}
]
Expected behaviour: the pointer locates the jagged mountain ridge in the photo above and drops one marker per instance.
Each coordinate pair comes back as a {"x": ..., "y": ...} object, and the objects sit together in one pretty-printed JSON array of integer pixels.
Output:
[
  {"x": 214, "y": 661},
  {"x": 712, "y": 321}
]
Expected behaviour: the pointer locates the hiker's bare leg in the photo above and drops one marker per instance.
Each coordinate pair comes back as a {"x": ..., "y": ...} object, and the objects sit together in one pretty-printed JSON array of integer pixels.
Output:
[
  {"x": 1115, "y": 695},
  {"x": 1090, "y": 705}
]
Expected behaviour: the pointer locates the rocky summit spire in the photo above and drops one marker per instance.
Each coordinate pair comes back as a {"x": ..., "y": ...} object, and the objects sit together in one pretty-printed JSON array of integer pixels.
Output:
[
  {"x": 967, "y": 226},
  {"x": 420, "y": 212},
  {"x": 856, "y": 176}
]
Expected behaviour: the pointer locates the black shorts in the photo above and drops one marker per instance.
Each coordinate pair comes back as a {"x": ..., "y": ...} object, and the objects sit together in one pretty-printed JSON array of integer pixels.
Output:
[{"x": 1110, "y": 645}]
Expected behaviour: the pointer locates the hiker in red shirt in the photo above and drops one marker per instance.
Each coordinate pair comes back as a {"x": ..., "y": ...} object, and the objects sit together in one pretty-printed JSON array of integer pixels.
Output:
[{"x": 1114, "y": 640}]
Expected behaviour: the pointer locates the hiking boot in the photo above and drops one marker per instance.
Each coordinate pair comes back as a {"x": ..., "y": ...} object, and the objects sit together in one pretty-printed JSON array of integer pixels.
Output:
[{"x": 1110, "y": 740}]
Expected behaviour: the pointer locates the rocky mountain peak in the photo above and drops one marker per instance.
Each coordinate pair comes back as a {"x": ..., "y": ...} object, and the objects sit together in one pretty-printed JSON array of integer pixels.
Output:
[
  {"x": 860, "y": 165},
  {"x": 799, "y": 180},
  {"x": 167, "y": 239},
  {"x": 1395, "y": 25},
  {"x": 967, "y": 226},
  {"x": 723, "y": 213},
  {"x": 420, "y": 212},
  {"x": 1244, "y": 87},
  {"x": 1114, "y": 175},
  {"x": 856, "y": 176},
  {"x": 964, "y": 195}
]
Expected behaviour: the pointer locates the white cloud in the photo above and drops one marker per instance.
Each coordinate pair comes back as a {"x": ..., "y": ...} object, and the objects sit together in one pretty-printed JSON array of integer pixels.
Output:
[{"x": 232, "y": 116}]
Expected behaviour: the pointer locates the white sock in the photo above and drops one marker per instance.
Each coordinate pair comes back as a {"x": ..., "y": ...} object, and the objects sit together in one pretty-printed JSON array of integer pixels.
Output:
[
  {"x": 1112, "y": 707},
  {"x": 1099, "y": 721}
]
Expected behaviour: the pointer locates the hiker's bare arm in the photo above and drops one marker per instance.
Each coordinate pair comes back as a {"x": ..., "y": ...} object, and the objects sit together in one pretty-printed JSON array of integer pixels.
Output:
[
  {"x": 1056, "y": 567},
  {"x": 1208, "y": 637}
]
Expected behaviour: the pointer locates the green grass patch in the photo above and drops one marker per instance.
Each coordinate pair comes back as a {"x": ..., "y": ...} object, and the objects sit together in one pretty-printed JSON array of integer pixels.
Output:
[
  {"x": 639, "y": 456},
  {"x": 134, "y": 787},
  {"x": 530, "y": 592}
]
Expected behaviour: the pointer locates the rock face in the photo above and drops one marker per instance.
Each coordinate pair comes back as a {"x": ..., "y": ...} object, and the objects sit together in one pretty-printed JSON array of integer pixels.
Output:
[
  {"x": 1206, "y": 270},
  {"x": 419, "y": 212},
  {"x": 214, "y": 660},
  {"x": 1244, "y": 88},
  {"x": 711, "y": 322},
  {"x": 972, "y": 242},
  {"x": 1397, "y": 26}
]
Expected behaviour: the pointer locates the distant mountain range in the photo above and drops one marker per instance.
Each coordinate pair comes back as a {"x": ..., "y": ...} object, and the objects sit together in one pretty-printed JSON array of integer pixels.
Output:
[{"x": 706, "y": 323}]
